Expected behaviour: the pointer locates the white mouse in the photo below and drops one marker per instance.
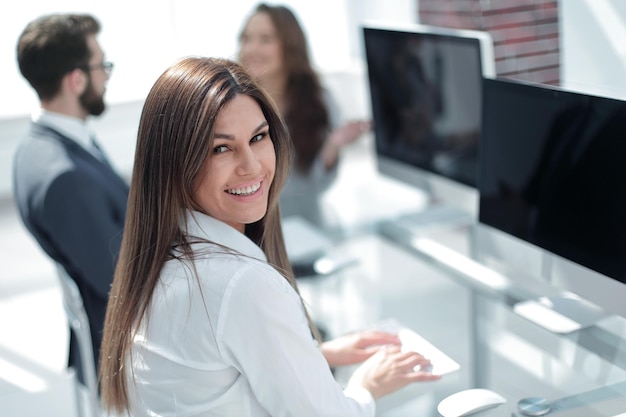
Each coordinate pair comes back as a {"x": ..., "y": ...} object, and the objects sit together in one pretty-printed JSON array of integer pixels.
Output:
[{"x": 470, "y": 401}]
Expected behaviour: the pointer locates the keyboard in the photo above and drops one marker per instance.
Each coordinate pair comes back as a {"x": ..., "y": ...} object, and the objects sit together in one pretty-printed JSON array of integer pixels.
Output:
[{"x": 441, "y": 363}]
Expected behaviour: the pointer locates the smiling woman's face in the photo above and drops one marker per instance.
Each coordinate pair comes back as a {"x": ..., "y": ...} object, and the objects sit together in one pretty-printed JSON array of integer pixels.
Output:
[{"x": 236, "y": 179}]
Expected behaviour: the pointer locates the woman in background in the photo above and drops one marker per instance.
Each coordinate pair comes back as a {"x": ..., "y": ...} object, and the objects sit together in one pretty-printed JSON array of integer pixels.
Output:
[
  {"x": 204, "y": 317},
  {"x": 274, "y": 50}
]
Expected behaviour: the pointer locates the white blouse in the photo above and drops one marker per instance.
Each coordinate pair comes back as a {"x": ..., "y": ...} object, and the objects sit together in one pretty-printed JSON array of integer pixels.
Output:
[{"x": 233, "y": 343}]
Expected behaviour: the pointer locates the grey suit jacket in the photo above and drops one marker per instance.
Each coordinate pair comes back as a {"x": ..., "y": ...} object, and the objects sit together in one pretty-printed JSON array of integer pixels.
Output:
[{"x": 75, "y": 206}]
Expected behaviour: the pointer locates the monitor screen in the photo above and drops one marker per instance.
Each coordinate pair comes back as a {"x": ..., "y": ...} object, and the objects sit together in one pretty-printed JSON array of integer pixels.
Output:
[
  {"x": 425, "y": 89},
  {"x": 553, "y": 171}
]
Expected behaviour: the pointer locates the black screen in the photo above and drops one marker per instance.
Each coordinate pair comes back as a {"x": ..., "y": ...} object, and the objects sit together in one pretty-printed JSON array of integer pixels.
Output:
[
  {"x": 426, "y": 100},
  {"x": 553, "y": 171}
]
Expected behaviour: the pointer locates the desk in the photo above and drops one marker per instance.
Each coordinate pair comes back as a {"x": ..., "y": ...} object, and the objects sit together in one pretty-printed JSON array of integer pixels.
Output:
[{"x": 470, "y": 321}]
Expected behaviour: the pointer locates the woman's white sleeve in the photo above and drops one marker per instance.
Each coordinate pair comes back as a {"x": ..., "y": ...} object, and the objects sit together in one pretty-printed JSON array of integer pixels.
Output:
[{"x": 263, "y": 332}]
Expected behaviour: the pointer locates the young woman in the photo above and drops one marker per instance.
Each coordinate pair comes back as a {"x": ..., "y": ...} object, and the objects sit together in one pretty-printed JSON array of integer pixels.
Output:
[
  {"x": 204, "y": 317},
  {"x": 273, "y": 48}
]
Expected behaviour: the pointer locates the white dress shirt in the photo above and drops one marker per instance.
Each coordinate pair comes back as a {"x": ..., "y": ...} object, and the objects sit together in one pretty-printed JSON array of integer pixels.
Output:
[
  {"x": 71, "y": 127},
  {"x": 232, "y": 342}
]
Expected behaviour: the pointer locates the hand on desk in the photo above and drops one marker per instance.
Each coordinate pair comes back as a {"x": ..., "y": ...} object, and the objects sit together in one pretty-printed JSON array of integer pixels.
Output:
[
  {"x": 356, "y": 347},
  {"x": 390, "y": 369}
]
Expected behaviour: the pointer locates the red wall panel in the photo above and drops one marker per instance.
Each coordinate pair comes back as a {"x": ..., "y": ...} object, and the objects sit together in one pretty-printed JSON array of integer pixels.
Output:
[{"x": 525, "y": 32}]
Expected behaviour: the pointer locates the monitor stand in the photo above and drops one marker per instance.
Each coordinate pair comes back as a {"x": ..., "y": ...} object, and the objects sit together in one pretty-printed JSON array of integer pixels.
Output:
[{"x": 564, "y": 313}]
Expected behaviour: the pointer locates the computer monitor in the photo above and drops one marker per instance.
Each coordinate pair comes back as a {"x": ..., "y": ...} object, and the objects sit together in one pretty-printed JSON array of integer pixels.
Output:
[
  {"x": 553, "y": 177},
  {"x": 425, "y": 89}
]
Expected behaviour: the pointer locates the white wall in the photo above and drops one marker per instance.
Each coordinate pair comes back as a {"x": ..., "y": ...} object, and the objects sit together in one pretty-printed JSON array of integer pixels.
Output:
[{"x": 593, "y": 46}]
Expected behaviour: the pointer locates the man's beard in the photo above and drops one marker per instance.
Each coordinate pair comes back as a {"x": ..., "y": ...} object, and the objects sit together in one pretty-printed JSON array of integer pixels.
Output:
[{"x": 91, "y": 101}]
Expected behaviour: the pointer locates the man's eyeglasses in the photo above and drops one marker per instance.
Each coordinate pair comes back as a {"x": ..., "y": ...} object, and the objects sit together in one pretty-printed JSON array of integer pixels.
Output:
[{"x": 106, "y": 66}]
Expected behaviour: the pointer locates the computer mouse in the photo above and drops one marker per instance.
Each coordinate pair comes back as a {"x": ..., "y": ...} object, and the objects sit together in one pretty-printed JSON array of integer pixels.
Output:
[{"x": 470, "y": 401}]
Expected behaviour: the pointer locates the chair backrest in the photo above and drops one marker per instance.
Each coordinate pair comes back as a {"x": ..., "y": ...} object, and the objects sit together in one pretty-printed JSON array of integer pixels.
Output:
[{"x": 79, "y": 323}]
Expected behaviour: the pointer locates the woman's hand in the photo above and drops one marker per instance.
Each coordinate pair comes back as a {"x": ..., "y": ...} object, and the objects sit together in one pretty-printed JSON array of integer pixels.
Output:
[
  {"x": 389, "y": 369},
  {"x": 349, "y": 132},
  {"x": 342, "y": 136},
  {"x": 356, "y": 347}
]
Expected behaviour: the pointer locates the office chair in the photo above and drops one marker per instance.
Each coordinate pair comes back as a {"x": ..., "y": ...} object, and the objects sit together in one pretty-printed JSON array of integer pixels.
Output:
[{"x": 79, "y": 324}]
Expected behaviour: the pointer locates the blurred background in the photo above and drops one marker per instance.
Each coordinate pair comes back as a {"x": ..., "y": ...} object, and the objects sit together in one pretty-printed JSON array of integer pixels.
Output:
[{"x": 578, "y": 44}]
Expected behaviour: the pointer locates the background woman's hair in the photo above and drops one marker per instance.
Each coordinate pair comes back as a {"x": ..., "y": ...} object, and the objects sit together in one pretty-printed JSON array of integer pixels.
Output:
[
  {"x": 306, "y": 113},
  {"x": 174, "y": 140}
]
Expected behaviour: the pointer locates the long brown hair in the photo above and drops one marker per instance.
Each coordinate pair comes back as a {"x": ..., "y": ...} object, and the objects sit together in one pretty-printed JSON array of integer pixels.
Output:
[
  {"x": 174, "y": 139},
  {"x": 306, "y": 114}
]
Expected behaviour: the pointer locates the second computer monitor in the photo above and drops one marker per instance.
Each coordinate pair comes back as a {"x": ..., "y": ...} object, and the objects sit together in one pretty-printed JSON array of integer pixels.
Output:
[{"x": 425, "y": 87}]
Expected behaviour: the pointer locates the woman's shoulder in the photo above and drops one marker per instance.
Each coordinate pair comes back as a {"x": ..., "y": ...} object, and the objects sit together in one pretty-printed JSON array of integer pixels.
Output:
[
  {"x": 256, "y": 276},
  {"x": 222, "y": 269}
]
